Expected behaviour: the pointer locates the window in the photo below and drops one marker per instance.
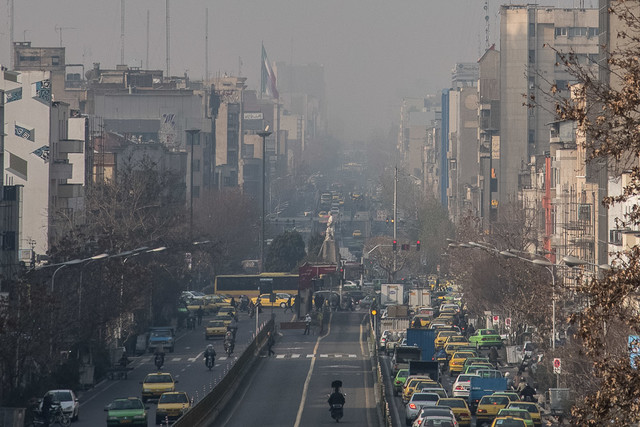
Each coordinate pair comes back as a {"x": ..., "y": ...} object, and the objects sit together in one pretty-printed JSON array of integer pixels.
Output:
[
  {"x": 578, "y": 31},
  {"x": 55, "y": 60},
  {"x": 584, "y": 213},
  {"x": 615, "y": 237},
  {"x": 592, "y": 32},
  {"x": 532, "y": 30},
  {"x": 532, "y": 136},
  {"x": 561, "y": 31}
]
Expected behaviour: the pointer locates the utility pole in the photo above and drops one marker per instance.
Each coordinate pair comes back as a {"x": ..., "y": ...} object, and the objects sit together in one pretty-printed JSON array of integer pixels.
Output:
[
  {"x": 147, "y": 57},
  {"x": 395, "y": 219},
  {"x": 121, "y": 32},
  {"x": 263, "y": 134},
  {"x": 168, "y": 35}
]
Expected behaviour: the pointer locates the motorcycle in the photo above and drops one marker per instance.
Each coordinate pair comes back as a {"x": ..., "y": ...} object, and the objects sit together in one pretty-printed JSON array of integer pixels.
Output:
[
  {"x": 228, "y": 347},
  {"x": 56, "y": 417},
  {"x": 336, "y": 401},
  {"x": 210, "y": 361},
  {"x": 159, "y": 361}
]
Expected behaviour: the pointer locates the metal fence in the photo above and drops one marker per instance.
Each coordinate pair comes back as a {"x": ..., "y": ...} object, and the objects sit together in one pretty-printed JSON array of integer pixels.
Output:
[{"x": 207, "y": 409}]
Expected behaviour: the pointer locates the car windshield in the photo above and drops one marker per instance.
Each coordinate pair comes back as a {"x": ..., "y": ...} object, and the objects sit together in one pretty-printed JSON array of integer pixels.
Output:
[
  {"x": 158, "y": 379},
  {"x": 462, "y": 355},
  {"x": 494, "y": 400},
  {"x": 437, "y": 422},
  {"x": 216, "y": 323},
  {"x": 509, "y": 422},
  {"x": 126, "y": 404},
  {"x": 61, "y": 396},
  {"x": 456, "y": 338},
  {"x": 173, "y": 398},
  {"x": 452, "y": 403},
  {"x": 156, "y": 334}
]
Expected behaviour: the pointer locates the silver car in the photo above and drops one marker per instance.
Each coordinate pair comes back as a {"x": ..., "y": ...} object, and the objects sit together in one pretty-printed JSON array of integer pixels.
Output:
[
  {"x": 67, "y": 400},
  {"x": 440, "y": 415},
  {"x": 417, "y": 402}
]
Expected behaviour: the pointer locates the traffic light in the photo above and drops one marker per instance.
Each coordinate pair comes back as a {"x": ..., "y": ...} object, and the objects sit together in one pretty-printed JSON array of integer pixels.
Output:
[
  {"x": 374, "y": 312},
  {"x": 395, "y": 245},
  {"x": 418, "y": 245}
]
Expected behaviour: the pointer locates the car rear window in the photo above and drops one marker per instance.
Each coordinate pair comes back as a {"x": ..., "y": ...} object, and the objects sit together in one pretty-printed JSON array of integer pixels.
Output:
[
  {"x": 489, "y": 332},
  {"x": 451, "y": 403},
  {"x": 173, "y": 398},
  {"x": 159, "y": 379},
  {"x": 466, "y": 377},
  {"x": 425, "y": 397},
  {"x": 530, "y": 408}
]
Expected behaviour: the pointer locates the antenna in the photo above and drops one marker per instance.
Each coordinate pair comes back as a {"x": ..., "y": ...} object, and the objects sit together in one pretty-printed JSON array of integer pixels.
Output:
[
  {"x": 11, "y": 40},
  {"x": 59, "y": 30},
  {"x": 122, "y": 32},
  {"x": 147, "y": 59},
  {"x": 168, "y": 47},
  {"x": 486, "y": 24},
  {"x": 206, "y": 46}
]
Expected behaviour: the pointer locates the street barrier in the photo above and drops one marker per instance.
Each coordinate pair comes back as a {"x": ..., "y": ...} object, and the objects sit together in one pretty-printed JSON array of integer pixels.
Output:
[
  {"x": 380, "y": 388},
  {"x": 204, "y": 413}
]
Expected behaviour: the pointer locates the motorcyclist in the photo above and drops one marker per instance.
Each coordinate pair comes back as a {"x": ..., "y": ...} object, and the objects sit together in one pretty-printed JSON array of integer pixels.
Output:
[
  {"x": 527, "y": 393},
  {"x": 229, "y": 341},
  {"x": 521, "y": 385},
  {"x": 159, "y": 357},
  {"x": 336, "y": 398},
  {"x": 209, "y": 352},
  {"x": 47, "y": 404},
  {"x": 124, "y": 360}
]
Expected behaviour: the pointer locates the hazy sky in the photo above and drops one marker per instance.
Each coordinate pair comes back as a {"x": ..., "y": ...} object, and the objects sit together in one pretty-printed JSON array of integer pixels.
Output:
[{"x": 374, "y": 52}]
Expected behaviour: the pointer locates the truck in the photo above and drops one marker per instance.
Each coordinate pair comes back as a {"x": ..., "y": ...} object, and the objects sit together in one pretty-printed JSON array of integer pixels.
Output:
[
  {"x": 420, "y": 297},
  {"x": 391, "y": 294},
  {"x": 480, "y": 387},
  {"x": 425, "y": 339},
  {"x": 402, "y": 355},
  {"x": 422, "y": 367},
  {"x": 161, "y": 336}
]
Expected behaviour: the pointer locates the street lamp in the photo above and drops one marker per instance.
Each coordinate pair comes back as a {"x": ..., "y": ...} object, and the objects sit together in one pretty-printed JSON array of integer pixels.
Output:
[
  {"x": 263, "y": 134},
  {"x": 64, "y": 264},
  {"x": 192, "y": 133}
]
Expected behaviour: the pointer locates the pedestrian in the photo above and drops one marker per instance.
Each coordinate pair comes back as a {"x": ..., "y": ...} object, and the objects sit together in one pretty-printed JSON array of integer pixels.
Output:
[
  {"x": 233, "y": 302},
  {"x": 307, "y": 324},
  {"x": 47, "y": 403},
  {"x": 289, "y": 305},
  {"x": 270, "y": 342},
  {"x": 199, "y": 314}
]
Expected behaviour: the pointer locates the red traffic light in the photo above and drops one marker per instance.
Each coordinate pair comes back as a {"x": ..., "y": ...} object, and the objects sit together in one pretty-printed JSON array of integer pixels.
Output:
[
  {"x": 418, "y": 245},
  {"x": 395, "y": 245}
]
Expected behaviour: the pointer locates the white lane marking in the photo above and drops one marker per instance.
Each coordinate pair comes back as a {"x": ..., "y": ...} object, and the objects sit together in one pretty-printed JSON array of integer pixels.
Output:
[
  {"x": 176, "y": 359},
  {"x": 295, "y": 356},
  {"x": 280, "y": 356},
  {"x": 337, "y": 355},
  {"x": 305, "y": 389},
  {"x": 223, "y": 358},
  {"x": 353, "y": 355},
  {"x": 309, "y": 355},
  {"x": 192, "y": 359},
  {"x": 324, "y": 355}
]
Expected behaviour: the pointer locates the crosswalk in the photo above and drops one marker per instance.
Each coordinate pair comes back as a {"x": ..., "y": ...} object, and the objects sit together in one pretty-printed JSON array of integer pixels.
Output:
[{"x": 277, "y": 356}]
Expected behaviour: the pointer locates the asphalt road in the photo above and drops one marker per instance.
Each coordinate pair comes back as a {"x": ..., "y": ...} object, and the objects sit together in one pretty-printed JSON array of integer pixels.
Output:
[
  {"x": 291, "y": 388},
  {"x": 185, "y": 364}
]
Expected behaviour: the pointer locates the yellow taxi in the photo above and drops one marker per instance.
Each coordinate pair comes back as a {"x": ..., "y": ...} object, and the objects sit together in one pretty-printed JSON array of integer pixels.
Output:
[
  {"x": 457, "y": 361},
  {"x": 229, "y": 312},
  {"x": 215, "y": 328},
  {"x": 489, "y": 406},
  {"x": 265, "y": 300},
  {"x": 421, "y": 321},
  {"x": 459, "y": 408},
  {"x": 452, "y": 347},
  {"x": 224, "y": 318},
  {"x": 532, "y": 408},
  {"x": 155, "y": 384},
  {"x": 508, "y": 422},
  {"x": 411, "y": 385},
  {"x": 206, "y": 304},
  {"x": 220, "y": 300},
  {"x": 512, "y": 395},
  {"x": 172, "y": 405},
  {"x": 442, "y": 337}
]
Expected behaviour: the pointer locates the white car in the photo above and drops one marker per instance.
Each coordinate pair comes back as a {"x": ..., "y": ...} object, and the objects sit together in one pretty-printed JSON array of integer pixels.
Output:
[
  {"x": 461, "y": 386},
  {"x": 192, "y": 295},
  {"x": 383, "y": 339},
  {"x": 67, "y": 400},
  {"x": 417, "y": 402},
  {"x": 441, "y": 416}
]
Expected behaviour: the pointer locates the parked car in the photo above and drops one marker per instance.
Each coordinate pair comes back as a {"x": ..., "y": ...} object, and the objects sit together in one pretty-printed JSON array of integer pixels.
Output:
[{"x": 67, "y": 400}]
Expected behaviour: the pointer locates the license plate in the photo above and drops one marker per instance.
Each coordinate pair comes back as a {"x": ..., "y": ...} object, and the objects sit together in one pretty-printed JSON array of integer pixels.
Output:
[{"x": 125, "y": 421}]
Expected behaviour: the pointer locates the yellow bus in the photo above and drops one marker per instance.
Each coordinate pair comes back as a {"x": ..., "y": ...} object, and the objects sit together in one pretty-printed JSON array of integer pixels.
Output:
[{"x": 248, "y": 284}]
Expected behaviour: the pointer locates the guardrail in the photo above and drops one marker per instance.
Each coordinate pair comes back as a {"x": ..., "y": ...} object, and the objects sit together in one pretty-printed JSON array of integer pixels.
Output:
[
  {"x": 380, "y": 387},
  {"x": 207, "y": 409}
]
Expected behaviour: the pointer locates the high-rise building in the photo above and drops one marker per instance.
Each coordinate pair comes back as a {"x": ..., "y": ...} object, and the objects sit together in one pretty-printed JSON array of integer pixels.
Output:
[{"x": 531, "y": 38}]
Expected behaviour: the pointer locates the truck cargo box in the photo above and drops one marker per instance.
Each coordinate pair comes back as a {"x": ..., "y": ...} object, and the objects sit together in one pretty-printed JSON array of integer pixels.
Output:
[{"x": 423, "y": 338}]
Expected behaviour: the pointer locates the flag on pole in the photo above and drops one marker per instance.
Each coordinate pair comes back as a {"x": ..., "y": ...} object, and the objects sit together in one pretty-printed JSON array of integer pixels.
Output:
[{"x": 268, "y": 84}]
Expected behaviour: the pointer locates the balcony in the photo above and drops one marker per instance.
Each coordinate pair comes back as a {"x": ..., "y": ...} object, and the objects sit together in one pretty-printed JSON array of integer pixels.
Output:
[
  {"x": 70, "y": 146},
  {"x": 70, "y": 191},
  {"x": 61, "y": 169}
]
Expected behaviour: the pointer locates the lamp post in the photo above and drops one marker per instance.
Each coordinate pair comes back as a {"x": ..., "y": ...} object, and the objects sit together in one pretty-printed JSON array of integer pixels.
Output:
[
  {"x": 263, "y": 134},
  {"x": 90, "y": 260},
  {"x": 63, "y": 265},
  {"x": 192, "y": 133}
]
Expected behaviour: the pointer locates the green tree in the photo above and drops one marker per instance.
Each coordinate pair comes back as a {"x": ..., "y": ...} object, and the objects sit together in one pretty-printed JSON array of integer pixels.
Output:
[
  {"x": 314, "y": 245},
  {"x": 285, "y": 252}
]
